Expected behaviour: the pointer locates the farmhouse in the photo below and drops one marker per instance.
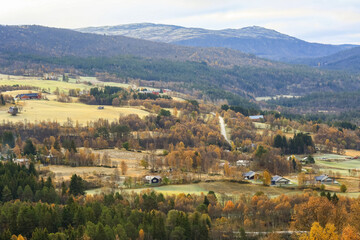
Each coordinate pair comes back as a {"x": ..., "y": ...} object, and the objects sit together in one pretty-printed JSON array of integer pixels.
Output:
[
  {"x": 249, "y": 175},
  {"x": 324, "y": 179},
  {"x": 278, "y": 180},
  {"x": 153, "y": 179},
  {"x": 28, "y": 96},
  {"x": 242, "y": 163}
]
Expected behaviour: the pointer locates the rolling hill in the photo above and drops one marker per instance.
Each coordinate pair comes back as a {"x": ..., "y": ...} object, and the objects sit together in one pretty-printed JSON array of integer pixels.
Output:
[
  {"x": 215, "y": 73},
  {"x": 262, "y": 42},
  {"x": 347, "y": 60}
]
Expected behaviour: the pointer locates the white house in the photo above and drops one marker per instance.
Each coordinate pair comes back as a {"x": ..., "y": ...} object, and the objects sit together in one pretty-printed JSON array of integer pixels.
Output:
[{"x": 242, "y": 163}]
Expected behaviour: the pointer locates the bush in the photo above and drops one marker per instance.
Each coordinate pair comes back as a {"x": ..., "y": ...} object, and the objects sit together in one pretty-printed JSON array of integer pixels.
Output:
[{"x": 343, "y": 188}]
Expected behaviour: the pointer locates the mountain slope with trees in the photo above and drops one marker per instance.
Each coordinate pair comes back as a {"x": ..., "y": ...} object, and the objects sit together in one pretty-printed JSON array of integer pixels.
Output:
[
  {"x": 218, "y": 73},
  {"x": 347, "y": 60},
  {"x": 57, "y": 42},
  {"x": 256, "y": 40}
]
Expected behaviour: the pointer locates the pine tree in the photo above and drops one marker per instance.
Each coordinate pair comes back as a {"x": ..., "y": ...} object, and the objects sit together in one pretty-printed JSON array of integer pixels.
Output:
[
  {"x": 29, "y": 148},
  {"x": 76, "y": 185},
  {"x": 6, "y": 194}
]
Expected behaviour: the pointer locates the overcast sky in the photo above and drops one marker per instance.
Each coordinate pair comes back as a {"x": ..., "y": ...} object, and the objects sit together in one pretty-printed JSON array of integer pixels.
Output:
[{"x": 326, "y": 21}]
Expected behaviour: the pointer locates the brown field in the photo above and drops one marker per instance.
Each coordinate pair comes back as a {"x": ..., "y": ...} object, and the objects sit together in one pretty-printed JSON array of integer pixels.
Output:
[
  {"x": 132, "y": 160},
  {"x": 65, "y": 172},
  {"x": 352, "y": 153}
]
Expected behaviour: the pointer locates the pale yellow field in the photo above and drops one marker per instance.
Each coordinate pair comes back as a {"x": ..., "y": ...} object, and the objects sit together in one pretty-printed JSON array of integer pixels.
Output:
[
  {"x": 38, "y": 82},
  {"x": 39, "y": 110},
  {"x": 52, "y": 85}
]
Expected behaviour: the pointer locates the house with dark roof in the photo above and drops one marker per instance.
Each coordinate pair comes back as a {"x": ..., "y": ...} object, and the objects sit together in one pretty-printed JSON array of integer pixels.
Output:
[
  {"x": 27, "y": 96},
  {"x": 324, "y": 179},
  {"x": 278, "y": 180},
  {"x": 249, "y": 175}
]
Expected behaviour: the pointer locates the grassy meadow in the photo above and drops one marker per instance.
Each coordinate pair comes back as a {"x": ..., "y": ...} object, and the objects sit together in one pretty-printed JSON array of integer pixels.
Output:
[
  {"x": 51, "y": 85},
  {"x": 52, "y": 110},
  {"x": 40, "y": 110}
]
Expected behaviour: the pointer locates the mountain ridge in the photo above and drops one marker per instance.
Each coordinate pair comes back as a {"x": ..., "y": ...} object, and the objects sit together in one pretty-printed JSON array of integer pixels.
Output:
[
  {"x": 262, "y": 42},
  {"x": 36, "y": 39}
]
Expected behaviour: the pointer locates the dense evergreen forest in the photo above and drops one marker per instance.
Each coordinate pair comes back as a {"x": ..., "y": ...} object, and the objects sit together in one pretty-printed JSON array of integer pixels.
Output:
[
  {"x": 259, "y": 81},
  {"x": 322, "y": 100},
  {"x": 150, "y": 215}
]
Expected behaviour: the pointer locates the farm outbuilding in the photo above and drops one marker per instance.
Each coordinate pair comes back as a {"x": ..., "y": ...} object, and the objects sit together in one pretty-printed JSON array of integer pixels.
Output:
[
  {"x": 278, "y": 180},
  {"x": 249, "y": 175},
  {"x": 28, "y": 96},
  {"x": 324, "y": 179}
]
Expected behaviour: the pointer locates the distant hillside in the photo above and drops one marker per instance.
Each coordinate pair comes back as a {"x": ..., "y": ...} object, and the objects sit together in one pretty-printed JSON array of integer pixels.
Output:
[
  {"x": 260, "y": 41},
  {"x": 348, "y": 60},
  {"x": 63, "y": 42},
  {"x": 212, "y": 73}
]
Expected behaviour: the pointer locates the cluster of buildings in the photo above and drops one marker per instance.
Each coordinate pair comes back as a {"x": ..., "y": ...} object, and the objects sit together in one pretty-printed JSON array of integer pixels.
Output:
[{"x": 279, "y": 180}]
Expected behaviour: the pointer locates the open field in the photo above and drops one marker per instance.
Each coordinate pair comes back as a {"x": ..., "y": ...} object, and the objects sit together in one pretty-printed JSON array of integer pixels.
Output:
[
  {"x": 132, "y": 160},
  {"x": 40, "y": 83},
  {"x": 220, "y": 188},
  {"x": 336, "y": 163},
  {"x": 39, "y": 110},
  {"x": 94, "y": 173},
  {"x": 51, "y": 85},
  {"x": 352, "y": 152},
  {"x": 66, "y": 172}
]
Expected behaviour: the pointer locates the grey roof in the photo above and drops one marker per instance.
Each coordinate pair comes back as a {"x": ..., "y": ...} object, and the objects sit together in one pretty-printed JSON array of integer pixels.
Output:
[
  {"x": 321, "y": 178},
  {"x": 275, "y": 178},
  {"x": 249, "y": 174}
]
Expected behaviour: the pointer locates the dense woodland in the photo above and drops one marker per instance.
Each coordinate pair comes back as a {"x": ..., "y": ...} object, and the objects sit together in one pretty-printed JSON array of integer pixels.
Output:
[
  {"x": 38, "y": 208},
  {"x": 57, "y": 214}
]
